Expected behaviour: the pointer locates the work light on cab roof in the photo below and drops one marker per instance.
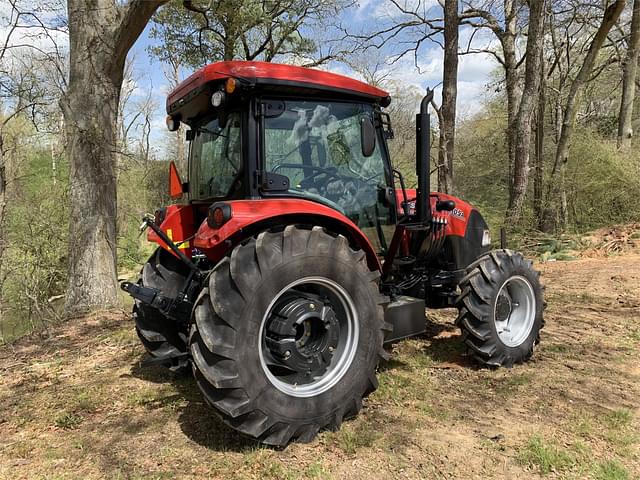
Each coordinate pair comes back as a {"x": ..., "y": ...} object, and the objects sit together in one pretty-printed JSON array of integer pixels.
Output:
[{"x": 298, "y": 255}]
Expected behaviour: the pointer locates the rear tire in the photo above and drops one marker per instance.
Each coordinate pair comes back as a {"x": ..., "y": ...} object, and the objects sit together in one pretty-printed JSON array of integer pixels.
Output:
[
  {"x": 160, "y": 335},
  {"x": 245, "y": 358},
  {"x": 501, "y": 308}
]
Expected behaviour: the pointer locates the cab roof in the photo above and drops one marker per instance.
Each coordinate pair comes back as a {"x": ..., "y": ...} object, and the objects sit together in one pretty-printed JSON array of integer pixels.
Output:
[{"x": 278, "y": 75}]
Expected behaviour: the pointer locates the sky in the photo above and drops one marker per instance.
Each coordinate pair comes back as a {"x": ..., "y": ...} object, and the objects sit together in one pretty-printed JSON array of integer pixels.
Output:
[{"x": 474, "y": 73}]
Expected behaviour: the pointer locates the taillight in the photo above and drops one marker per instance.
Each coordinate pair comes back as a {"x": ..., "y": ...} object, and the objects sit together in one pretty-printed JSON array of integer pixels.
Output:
[{"x": 219, "y": 214}]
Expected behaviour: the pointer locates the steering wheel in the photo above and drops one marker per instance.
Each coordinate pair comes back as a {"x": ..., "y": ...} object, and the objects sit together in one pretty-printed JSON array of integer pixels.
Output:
[{"x": 331, "y": 172}]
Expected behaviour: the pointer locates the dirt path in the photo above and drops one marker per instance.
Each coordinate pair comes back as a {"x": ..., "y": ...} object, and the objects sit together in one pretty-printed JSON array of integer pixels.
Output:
[{"x": 78, "y": 405}]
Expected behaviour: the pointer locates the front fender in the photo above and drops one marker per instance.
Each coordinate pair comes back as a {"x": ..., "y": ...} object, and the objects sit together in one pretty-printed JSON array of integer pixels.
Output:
[{"x": 249, "y": 217}]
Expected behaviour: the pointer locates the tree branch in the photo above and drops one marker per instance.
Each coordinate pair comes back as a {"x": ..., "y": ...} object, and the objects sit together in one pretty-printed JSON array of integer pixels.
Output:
[{"x": 134, "y": 18}]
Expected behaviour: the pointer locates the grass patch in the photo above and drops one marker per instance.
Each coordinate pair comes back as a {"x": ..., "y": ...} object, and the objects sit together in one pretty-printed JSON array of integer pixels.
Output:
[
  {"x": 545, "y": 456},
  {"x": 395, "y": 388},
  {"x": 610, "y": 470},
  {"x": 618, "y": 418},
  {"x": 164, "y": 396},
  {"x": 583, "y": 426},
  {"x": 87, "y": 400},
  {"x": 432, "y": 411},
  {"x": 316, "y": 470},
  {"x": 350, "y": 439},
  {"x": 67, "y": 420},
  {"x": 511, "y": 383}
]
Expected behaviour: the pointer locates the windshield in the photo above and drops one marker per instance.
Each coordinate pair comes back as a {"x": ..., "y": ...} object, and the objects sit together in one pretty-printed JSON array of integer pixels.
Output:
[
  {"x": 216, "y": 157},
  {"x": 317, "y": 145}
]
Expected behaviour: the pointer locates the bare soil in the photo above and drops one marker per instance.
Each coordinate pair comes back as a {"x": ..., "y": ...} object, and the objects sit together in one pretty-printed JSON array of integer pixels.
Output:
[{"x": 78, "y": 404}]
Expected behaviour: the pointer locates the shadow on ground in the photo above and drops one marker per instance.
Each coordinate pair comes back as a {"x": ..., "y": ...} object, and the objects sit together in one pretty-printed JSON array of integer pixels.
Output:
[
  {"x": 443, "y": 344},
  {"x": 197, "y": 420},
  {"x": 200, "y": 423}
]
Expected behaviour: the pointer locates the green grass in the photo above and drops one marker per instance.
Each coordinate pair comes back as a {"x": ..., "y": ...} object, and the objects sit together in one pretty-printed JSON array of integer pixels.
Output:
[
  {"x": 316, "y": 470},
  {"x": 546, "y": 457},
  {"x": 618, "y": 418},
  {"x": 67, "y": 420},
  {"x": 610, "y": 470},
  {"x": 351, "y": 438},
  {"x": 437, "y": 412}
]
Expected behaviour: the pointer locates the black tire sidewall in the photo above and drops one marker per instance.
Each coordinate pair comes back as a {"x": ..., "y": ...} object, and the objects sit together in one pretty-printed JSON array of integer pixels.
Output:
[{"x": 355, "y": 280}]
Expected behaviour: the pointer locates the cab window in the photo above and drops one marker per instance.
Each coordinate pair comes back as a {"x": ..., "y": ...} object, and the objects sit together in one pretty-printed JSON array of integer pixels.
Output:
[
  {"x": 317, "y": 145},
  {"x": 216, "y": 157}
]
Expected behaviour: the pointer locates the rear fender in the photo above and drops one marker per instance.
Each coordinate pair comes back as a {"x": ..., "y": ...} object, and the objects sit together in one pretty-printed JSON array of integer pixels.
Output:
[
  {"x": 249, "y": 217},
  {"x": 179, "y": 225}
]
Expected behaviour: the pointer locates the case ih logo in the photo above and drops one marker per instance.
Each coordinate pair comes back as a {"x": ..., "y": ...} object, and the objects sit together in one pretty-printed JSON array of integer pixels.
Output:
[{"x": 456, "y": 212}]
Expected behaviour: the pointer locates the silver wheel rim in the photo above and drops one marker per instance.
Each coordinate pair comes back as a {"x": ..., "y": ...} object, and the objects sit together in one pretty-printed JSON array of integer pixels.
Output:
[
  {"x": 344, "y": 352},
  {"x": 514, "y": 311}
]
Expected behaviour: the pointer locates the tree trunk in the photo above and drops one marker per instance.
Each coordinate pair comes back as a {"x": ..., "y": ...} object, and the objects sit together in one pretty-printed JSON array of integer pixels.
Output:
[
  {"x": 629, "y": 75},
  {"x": 508, "y": 43},
  {"x": 100, "y": 38},
  {"x": 610, "y": 17},
  {"x": 538, "y": 180},
  {"x": 3, "y": 205},
  {"x": 449, "y": 93},
  {"x": 526, "y": 108}
]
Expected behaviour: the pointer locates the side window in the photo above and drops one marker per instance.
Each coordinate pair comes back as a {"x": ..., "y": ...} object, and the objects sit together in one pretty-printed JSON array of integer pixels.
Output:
[{"x": 216, "y": 157}]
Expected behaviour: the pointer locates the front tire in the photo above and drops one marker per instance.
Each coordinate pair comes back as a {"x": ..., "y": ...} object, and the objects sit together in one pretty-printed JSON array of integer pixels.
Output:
[
  {"x": 501, "y": 308},
  {"x": 286, "y": 338}
]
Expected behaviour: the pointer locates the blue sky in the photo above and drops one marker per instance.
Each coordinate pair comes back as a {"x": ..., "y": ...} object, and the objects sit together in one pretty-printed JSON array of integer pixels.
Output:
[
  {"x": 475, "y": 71},
  {"x": 473, "y": 76}
]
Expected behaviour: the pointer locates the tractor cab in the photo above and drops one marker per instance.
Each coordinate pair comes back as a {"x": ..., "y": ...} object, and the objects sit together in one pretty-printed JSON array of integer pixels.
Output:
[
  {"x": 259, "y": 130},
  {"x": 293, "y": 262}
]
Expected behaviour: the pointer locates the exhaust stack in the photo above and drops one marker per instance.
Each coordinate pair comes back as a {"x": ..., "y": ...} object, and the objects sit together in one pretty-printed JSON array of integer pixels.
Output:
[{"x": 423, "y": 153}]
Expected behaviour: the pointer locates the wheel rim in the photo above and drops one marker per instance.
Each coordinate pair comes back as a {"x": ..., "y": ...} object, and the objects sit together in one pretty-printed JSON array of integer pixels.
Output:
[
  {"x": 308, "y": 336},
  {"x": 514, "y": 312}
]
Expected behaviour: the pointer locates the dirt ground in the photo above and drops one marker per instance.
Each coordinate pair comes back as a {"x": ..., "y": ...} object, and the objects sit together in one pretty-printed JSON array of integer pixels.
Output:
[{"x": 78, "y": 404}]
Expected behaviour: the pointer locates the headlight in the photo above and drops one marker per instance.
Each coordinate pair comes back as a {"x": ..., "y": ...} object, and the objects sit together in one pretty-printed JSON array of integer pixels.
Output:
[
  {"x": 486, "y": 238},
  {"x": 217, "y": 98}
]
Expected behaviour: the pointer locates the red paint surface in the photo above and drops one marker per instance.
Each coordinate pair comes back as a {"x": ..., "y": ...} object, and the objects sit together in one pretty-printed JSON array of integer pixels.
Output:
[
  {"x": 264, "y": 71},
  {"x": 246, "y": 212},
  {"x": 179, "y": 221},
  {"x": 212, "y": 241},
  {"x": 175, "y": 183},
  {"x": 456, "y": 222}
]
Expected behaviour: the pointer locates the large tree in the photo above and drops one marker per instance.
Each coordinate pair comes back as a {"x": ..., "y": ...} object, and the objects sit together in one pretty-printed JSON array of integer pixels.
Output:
[
  {"x": 629, "y": 76},
  {"x": 572, "y": 102},
  {"x": 447, "y": 114},
  {"x": 101, "y": 33},
  {"x": 501, "y": 18},
  {"x": 523, "y": 121}
]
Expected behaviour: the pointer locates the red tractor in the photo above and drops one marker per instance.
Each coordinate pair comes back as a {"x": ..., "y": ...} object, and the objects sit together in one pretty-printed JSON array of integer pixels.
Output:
[{"x": 300, "y": 254}]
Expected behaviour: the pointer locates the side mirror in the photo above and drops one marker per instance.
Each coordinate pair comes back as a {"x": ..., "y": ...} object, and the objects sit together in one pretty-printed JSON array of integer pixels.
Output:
[
  {"x": 175, "y": 184},
  {"x": 367, "y": 136}
]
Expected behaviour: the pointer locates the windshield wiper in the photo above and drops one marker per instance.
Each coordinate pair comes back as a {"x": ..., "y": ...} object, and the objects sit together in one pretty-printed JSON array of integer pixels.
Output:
[{"x": 211, "y": 132}]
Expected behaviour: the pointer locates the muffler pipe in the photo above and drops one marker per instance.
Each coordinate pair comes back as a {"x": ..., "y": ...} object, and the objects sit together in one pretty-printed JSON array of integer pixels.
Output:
[{"x": 423, "y": 155}]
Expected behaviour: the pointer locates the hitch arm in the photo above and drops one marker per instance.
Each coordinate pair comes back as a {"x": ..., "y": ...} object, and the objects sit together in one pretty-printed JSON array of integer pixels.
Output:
[
  {"x": 146, "y": 295},
  {"x": 149, "y": 221}
]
